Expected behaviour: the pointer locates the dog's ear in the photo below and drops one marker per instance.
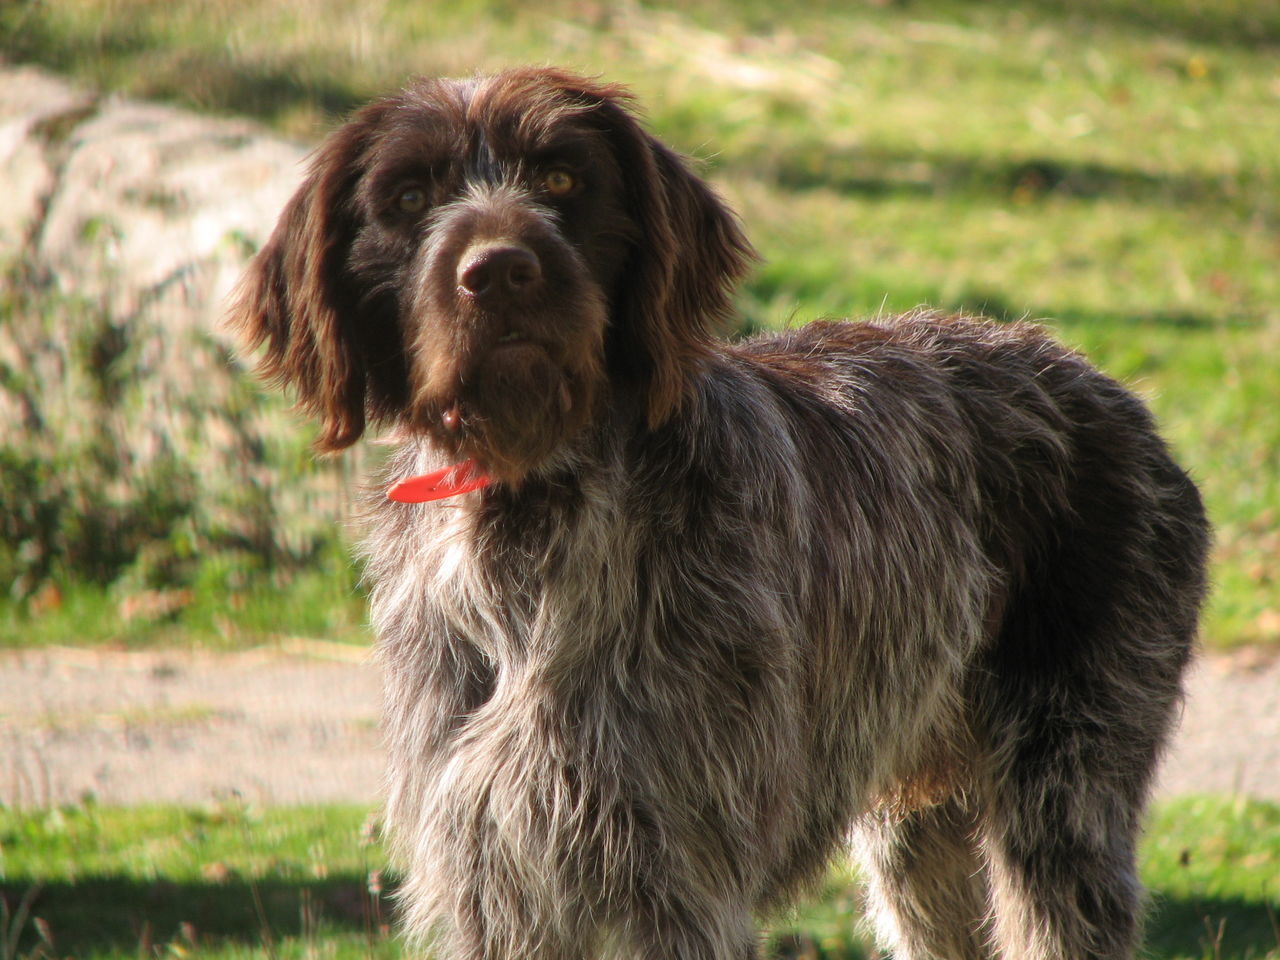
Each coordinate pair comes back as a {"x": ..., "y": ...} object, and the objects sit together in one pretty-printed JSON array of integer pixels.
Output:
[
  {"x": 291, "y": 298},
  {"x": 678, "y": 284},
  {"x": 686, "y": 269}
]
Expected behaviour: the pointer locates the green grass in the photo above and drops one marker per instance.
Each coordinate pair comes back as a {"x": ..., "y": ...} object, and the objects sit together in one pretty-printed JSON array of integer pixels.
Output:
[
  {"x": 1213, "y": 865},
  {"x": 225, "y": 881},
  {"x": 234, "y": 881},
  {"x": 1109, "y": 165},
  {"x": 324, "y": 602}
]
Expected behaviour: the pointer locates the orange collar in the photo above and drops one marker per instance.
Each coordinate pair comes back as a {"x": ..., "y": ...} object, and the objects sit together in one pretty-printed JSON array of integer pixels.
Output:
[{"x": 448, "y": 482}]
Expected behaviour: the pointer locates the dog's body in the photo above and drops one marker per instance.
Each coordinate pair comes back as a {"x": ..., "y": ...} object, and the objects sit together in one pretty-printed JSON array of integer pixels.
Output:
[{"x": 928, "y": 578}]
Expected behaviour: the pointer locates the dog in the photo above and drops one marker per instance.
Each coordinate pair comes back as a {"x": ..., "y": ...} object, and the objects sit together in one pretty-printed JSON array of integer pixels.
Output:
[{"x": 667, "y": 619}]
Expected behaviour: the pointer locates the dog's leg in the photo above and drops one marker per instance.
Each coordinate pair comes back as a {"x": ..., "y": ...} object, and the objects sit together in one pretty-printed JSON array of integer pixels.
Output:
[
  {"x": 925, "y": 887},
  {"x": 1064, "y": 888},
  {"x": 1069, "y": 767},
  {"x": 1078, "y": 694},
  {"x": 503, "y": 927},
  {"x": 687, "y": 928}
]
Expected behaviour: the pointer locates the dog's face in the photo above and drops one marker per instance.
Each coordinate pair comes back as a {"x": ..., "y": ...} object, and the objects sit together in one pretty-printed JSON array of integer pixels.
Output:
[{"x": 491, "y": 262}]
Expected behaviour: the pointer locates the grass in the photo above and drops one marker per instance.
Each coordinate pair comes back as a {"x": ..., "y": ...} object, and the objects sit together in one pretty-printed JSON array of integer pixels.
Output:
[
  {"x": 321, "y": 603},
  {"x": 1108, "y": 164},
  {"x": 224, "y": 881},
  {"x": 1214, "y": 867},
  {"x": 230, "y": 880}
]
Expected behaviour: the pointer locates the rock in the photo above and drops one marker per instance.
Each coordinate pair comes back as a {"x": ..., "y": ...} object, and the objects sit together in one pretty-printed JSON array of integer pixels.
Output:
[
  {"x": 135, "y": 205},
  {"x": 157, "y": 209},
  {"x": 36, "y": 110},
  {"x": 134, "y": 435}
]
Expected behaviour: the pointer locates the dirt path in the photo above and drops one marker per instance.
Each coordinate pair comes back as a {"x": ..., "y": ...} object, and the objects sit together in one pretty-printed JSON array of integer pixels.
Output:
[
  {"x": 277, "y": 727},
  {"x": 299, "y": 725}
]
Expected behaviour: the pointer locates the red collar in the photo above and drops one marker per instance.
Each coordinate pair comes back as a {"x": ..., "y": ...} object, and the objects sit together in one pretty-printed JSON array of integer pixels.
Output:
[{"x": 448, "y": 482}]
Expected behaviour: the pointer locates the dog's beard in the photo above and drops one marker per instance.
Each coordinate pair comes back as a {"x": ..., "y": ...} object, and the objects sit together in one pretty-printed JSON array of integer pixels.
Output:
[
  {"x": 514, "y": 405},
  {"x": 518, "y": 410}
]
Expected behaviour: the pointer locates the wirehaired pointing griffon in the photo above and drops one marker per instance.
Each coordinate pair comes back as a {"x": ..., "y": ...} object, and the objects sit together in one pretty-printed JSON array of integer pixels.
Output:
[{"x": 690, "y": 613}]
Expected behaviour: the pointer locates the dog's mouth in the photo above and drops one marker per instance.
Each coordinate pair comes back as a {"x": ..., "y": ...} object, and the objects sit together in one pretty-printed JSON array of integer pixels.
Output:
[
  {"x": 515, "y": 347},
  {"x": 453, "y": 416},
  {"x": 508, "y": 410}
]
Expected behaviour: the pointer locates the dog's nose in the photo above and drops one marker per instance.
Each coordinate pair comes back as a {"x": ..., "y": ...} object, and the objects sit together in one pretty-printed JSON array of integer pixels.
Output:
[{"x": 499, "y": 272}]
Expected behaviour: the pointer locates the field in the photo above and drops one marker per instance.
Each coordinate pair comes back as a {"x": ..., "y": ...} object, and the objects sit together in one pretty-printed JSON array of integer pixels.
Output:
[{"x": 1109, "y": 166}]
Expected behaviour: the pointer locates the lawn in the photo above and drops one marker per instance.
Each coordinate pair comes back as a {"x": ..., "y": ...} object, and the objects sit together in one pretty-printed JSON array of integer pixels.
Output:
[
  {"x": 230, "y": 880},
  {"x": 1107, "y": 166}
]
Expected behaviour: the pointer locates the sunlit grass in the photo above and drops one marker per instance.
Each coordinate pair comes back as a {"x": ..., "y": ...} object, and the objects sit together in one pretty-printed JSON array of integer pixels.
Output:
[
  {"x": 320, "y": 604},
  {"x": 1107, "y": 166},
  {"x": 231, "y": 880}
]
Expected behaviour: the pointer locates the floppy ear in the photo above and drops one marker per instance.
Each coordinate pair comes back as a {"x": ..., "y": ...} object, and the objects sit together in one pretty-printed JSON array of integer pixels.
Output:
[
  {"x": 291, "y": 298},
  {"x": 693, "y": 256},
  {"x": 679, "y": 281}
]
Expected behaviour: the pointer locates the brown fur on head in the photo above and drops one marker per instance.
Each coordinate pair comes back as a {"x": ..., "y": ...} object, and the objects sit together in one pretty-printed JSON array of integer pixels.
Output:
[{"x": 486, "y": 261}]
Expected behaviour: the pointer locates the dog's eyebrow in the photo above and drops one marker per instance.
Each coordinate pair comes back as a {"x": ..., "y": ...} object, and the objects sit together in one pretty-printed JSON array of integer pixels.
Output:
[
  {"x": 573, "y": 151},
  {"x": 406, "y": 163},
  {"x": 497, "y": 154}
]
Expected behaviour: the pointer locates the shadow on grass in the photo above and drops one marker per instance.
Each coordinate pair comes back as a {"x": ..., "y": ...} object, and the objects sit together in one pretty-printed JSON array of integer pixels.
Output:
[
  {"x": 105, "y": 915},
  {"x": 996, "y": 307},
  {"x": 1226, "y": 927},
  {"x": 114, "y": 915},
  {"x": 886, "y": 174},
  {"x": 1242, "y": 25},
  {"x": 757, "y": 311},
  {"x": 1247, "y": 25}
]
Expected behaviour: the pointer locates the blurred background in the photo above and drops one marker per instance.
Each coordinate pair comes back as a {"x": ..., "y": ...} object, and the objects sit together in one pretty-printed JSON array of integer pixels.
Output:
[{"x": 1109, "y": 166}]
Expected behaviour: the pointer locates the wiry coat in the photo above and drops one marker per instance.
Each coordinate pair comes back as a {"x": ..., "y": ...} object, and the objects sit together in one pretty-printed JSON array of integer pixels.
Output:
[{"x": 932, "y": 579}]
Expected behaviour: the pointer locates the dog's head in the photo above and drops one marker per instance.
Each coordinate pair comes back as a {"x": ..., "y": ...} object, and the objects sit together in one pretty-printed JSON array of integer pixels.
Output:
[{"x": 488, "y": 262}]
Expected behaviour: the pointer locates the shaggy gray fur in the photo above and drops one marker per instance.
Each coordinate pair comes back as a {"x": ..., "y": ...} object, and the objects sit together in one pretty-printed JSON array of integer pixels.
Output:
[{"x": 941, "y": 588}]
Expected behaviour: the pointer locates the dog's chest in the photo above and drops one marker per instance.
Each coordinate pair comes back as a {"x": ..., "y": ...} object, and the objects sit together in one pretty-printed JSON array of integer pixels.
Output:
[{"x": 512, "y": 586}]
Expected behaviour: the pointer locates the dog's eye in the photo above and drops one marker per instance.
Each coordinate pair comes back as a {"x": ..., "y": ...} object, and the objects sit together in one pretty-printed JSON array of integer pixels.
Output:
[
  {"x": 412, "y": 200},
  {"x": 559, "y": 183}
]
